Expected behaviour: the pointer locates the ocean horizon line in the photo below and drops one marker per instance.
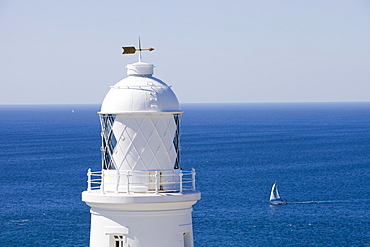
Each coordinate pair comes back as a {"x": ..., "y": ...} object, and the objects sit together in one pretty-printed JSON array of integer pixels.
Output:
[{"x": 200, "y": 103}]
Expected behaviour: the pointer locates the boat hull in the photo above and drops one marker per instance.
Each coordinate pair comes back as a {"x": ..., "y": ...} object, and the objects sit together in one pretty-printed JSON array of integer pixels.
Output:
[{"x": 278, "y": 202}]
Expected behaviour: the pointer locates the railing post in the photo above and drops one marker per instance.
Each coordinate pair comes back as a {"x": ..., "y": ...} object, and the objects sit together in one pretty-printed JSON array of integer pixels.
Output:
[
  {"x": 102, "y": 182},
  {"x": 128, "y": 182},
  {"x": 118, "y": 179},
  {"x": 89, "y": 180},
  {"x": 156, "y": 182},
  {"x": 193, "y": 178},
  {"x": 181, "y": 174}
]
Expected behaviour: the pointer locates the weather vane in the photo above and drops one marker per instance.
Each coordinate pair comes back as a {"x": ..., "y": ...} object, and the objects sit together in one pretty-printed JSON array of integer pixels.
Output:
[{"x": 132, "y": 50}]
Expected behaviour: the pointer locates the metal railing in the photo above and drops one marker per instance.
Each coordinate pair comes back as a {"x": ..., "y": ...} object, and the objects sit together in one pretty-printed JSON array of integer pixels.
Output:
[{"x": 130, "y": 181}]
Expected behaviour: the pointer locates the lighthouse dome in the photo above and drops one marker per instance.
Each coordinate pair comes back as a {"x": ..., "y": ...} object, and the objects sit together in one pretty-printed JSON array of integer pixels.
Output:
[{"x": 140, "y": 92}]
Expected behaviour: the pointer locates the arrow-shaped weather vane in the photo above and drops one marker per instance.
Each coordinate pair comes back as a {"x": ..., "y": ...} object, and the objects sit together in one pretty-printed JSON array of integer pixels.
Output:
[{"x": 132, "y": 50}]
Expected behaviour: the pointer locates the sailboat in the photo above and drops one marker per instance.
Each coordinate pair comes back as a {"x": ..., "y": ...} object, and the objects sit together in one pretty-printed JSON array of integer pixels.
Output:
[{"x": 275, "y": 198}]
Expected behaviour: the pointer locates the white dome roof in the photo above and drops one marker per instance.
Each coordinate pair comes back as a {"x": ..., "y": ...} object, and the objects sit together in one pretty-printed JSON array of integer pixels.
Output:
[{"x": 140, "y": 92}]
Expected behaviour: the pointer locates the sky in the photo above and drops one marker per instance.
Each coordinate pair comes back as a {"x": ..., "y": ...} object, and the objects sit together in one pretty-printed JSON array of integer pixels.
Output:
[{"x": 69, "y": 52}]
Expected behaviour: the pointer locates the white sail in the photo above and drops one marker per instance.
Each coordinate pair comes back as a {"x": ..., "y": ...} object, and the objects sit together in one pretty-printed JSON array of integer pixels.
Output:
[
  {"x": 277, "y": 193},
  {"x": 272, "y": 194}
]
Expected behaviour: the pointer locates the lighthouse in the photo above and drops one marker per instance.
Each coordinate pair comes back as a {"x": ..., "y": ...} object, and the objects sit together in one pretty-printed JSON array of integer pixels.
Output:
[{"x": 141, "y": 196}]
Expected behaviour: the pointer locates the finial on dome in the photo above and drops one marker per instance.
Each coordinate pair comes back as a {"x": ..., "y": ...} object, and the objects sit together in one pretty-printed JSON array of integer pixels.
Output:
[{"x": 139, "y": 50}]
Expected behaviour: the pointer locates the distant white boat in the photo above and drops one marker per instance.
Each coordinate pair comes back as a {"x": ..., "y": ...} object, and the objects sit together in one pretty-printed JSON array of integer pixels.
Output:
[{"x": 275, "y": 198}]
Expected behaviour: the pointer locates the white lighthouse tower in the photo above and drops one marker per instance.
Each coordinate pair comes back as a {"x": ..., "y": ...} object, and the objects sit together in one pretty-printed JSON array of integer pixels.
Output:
[{"x": 141, "y": 196}]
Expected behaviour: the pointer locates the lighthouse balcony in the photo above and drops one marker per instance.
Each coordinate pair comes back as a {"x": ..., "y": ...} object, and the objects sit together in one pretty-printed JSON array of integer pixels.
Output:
[{"x": 116, "y": 181}]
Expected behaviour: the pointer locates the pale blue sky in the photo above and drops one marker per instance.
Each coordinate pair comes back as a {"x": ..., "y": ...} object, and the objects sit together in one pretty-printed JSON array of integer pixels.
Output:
[{"x": 69, "y": 52}]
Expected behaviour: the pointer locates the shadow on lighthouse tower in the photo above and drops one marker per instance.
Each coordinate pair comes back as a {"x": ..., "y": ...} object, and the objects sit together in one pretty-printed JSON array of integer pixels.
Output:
[{"x": 141, "y": 196}]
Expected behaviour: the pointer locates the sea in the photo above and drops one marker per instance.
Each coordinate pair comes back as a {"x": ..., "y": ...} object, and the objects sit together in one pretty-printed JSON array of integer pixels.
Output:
[{"x": 318, "y": 153}]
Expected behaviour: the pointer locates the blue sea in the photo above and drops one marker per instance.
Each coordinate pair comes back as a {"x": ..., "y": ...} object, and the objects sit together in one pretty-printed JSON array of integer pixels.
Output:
[{"x": 318, "y": 153}]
